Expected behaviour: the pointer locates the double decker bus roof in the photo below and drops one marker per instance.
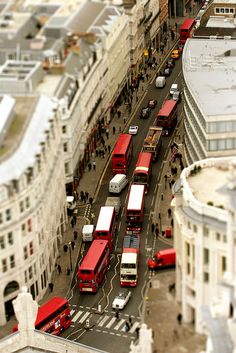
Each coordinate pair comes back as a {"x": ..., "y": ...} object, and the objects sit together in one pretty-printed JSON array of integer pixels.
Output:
[
  {"x": 167, "y": 107},
  {"x": 93, "y": 255},
  {"x": 122, "y": 144},
  {"x": 188, "y": 23},
  {"x": 136, "y": 196},
  {"x": 51, "y": 306},
  {"x": 143, "y": 163},
  {"x": 105, "y": 217}
]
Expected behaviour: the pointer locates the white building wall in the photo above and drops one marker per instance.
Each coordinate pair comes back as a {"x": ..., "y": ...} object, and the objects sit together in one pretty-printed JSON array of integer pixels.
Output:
[{"x": 37, "y": 217}]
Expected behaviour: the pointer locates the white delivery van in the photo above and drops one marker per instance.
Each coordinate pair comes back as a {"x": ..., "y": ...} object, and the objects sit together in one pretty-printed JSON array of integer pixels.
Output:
[
  {"x": 118, "y": 183},
  {"x": 115, "y": 202},
  {"x": 160, "y": 81},
  {"x": 87, "y": 232},
  {"x": 173, "y": 88}
]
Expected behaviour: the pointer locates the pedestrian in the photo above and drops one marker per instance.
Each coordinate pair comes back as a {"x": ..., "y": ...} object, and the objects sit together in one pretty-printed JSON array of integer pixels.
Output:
[
  {"x": 82, "y": 196},
  {"x": 153, "y": 227},
  {"x": 169, "y": 212},
  {"x": 75, "y": 234},
  {"x": 130, "y": 321},
  {"x": 119, "y": 113},
  {"x": 65, "y": 248},
  {"x": 89, "y": 166},
  {"x": 170, "y": 184},
  {"x": 190, "y": 9},
  {"x": 96, "y": 151},
  {"x": 117, "y": 315},
  {"x": 109, "y": 149},
  {"x": 107, "y": 133},
  {"x": 172, "y": 222},
  {"x": 179, "y": 318},
  {"x": 147, "y": 76},
  {"x": 72, "y": 245},
  {"x": 127, "y": 326},
  {"x": 75, "y": 219},
  {"x": 137, "y": 332},
  {"x": 50, "y": 285},
  {"x": 100, "y": 152},
  {"x": 157, "y": 232},
  {"x": 91, "y": 200},
  {"x": 59, "y": 269},
  {"x": 94, "y": 165},
  {"x": 72, "y": 223},
  {"x": 102, "y": 141},
  {"x": 114, "y": 130},
  {"x": 86, "y": 195},
  {"x": 105, "y": 148},
  {"x": 103, "y": 153}
]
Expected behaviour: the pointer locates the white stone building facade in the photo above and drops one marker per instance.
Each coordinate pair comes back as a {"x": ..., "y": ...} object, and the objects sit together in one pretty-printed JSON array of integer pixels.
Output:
[
  {"x": 205, "y": 238},
  {"x": 33, "y": 201}
]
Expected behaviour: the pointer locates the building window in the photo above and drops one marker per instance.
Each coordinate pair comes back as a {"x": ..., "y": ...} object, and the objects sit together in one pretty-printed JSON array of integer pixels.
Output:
[
  {"x": 22, "y": 206},
  {"x": 65, "y": 147},
  {"x": 10, "y": 238},
  {"x": 37, "y": 289},
  {"x": 64, "y": 129},
  {"x": 224, "y": 238},
  {"x": 195, "y": 228},
  {"x": 0, "y": 218},
  {"x": 206, "y": 256},
  {"x": 205, "y": 231},
  {"x": 35, "y": 269},
  {"x": 206, "y": 277},
  {"x": 8, "y": 214},
  {"x": 4, "y": 265},
  {"x": 187, "y": 249},
  {"x": 31, "y": 248},
  {"x": 25, "y": 252},
  {"x": 218, "y": 236},
  {"x": 12, "y": 261},
  {"x": 29, "y": 225},
  {"x": 27, "y": 202},
  {"x": 67, "y": 168},
  {"x": 23, "y": 229},
  {"x": 188, "y": 268},
  {"x": 26, "y": 277},
  {"x": 30, "y": 272},
  {"x": 2, "y": 242},
  {"x": 223, "y": 263},
  {"x": 189, "y": 225}
]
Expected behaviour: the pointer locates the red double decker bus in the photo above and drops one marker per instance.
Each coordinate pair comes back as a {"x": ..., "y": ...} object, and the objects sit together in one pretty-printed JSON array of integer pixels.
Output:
[
  {"x": 143, "y": 170},
  {"x": 167, "y": 116},
  {"x": 135, "y": 208},
  {"x": 122, "y": 154},
  {"x": 186, "y": 29},
  {"x": 106, "y": 224},
  {"x": 94, "y": 266},
  {"x": 53, "y": 317}
]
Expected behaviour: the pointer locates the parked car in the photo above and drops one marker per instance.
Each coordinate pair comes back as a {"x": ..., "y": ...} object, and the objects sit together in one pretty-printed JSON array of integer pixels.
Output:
[
  {"x": 121, "y": 299},
  {"x": 145, "y": 112},
  {"x": 152, "y": 103},
  {"x": 175, "y": 54},
  {"x": 173, "y": 88},
  {"x": 133, "y": 130}
]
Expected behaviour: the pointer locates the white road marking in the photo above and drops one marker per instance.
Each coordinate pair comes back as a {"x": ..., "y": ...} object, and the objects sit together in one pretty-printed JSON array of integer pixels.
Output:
[
  {"x": 102, "y": 322},
  {"x": 77, "y": 316},
  {"x": 135, "y": 325},
  {"x": 111, "y": 322},
  {"x": 83, "y": 318},
  {"x": 119, "y": 324}
]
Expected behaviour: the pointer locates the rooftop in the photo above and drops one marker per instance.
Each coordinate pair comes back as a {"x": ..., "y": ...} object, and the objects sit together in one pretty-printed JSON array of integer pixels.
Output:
[{"x": 209, "y": 71}]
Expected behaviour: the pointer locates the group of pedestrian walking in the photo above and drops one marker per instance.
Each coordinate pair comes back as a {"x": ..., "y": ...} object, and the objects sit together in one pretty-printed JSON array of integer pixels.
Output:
[
  {"x": 84, "y": 196},
  {"x": 155, "y": 229}
]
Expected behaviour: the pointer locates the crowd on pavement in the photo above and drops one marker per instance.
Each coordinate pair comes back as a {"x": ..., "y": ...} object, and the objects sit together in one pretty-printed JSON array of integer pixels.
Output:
[{"x": 86, "y": 194}]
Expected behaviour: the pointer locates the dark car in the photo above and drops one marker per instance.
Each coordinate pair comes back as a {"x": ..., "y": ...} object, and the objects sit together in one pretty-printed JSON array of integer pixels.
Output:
[
  {"x": 152, "y": 103},
  {"x": 145, "y": 112},
  {"x": 170, "y": 63},
  {"x": 167, "y": 71}
]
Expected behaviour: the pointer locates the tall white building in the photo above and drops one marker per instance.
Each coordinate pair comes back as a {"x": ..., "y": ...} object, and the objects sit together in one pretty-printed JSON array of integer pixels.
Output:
[
  {"x": 205, "y": 238},
  {"x": 32, "y": 196},
  {"x": 209, "y": 96}
]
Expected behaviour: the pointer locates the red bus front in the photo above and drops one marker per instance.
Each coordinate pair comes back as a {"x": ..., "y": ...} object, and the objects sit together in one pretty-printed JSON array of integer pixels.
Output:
[
  {"x": 134, "y": 210},
  {"x": 143, "y": 170},
  {"x": 53, "y": 317},
  {"x": 122, "y": 154},
  {"x": 186, "y": 29},
  {"x": 94, "y": 266},
  {"x": 167, "y": 116},
  {"x": 106, "y": 224}
]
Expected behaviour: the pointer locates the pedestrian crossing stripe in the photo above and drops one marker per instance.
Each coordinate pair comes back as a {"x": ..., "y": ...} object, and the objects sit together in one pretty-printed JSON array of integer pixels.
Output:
[{"x": 106, "y": 322}]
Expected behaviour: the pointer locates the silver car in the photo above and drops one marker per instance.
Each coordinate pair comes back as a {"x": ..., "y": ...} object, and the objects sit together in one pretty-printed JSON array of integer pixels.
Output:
[{"x": 121, "y": 299}]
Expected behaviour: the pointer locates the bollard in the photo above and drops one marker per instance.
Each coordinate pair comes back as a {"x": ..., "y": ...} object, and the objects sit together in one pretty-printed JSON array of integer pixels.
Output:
[{"x": 99, "y": 308}]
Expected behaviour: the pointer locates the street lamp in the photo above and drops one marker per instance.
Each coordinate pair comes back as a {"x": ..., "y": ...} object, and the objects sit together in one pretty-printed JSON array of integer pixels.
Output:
[{"x": 70, "y": 255}]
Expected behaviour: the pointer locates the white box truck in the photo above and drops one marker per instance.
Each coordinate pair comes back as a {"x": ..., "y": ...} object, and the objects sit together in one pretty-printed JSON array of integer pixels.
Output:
[{"x": 87, "y": 232}]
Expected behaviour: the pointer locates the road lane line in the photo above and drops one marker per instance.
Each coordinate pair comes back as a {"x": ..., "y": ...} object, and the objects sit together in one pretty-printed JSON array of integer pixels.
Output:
[
  {"x": 119, "y": 324},
  {"x": 111, "y": 322},
  {"x": 102, "y": 322},
  {"x": 83, "y": 318},
  {"x": 74, "y": 319}
]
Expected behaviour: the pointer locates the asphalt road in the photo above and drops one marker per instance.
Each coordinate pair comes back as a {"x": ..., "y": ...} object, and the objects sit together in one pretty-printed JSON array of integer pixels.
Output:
[{"x": 105, "y": 331}]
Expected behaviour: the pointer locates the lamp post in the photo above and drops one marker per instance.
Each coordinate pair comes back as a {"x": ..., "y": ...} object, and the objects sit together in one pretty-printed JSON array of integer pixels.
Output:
[{"x": 70, "y": 255}]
